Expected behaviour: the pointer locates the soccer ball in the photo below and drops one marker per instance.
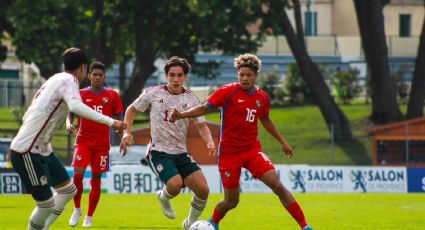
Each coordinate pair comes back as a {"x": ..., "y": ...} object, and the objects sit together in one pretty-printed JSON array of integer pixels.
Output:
[{"x": 201, "y": 225}]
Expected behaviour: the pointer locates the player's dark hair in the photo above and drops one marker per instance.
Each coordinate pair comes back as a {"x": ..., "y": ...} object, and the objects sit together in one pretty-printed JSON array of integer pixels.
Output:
[
  {"x": 73, "y": 58},
  {"x": 97, "y": 65},
  {"x": 177, "y": 61}
]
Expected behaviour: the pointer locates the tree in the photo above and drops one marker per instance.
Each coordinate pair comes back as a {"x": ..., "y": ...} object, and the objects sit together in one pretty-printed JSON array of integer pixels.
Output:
[
  {"x": 371, "y": 24},
  {"x": 115, "y": 31},
  {"x": 417, "y": 93},
  {"x": 346, "y": 85},
  {"x": 187, "y": 27},
  {"x": 334, "y": 117},
  {"x": 5, "y": 27},
  {"x": 95, "y": 26}
]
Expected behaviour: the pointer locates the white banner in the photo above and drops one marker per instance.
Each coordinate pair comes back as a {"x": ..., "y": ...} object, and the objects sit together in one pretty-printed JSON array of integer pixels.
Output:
[{"x": 296, "y": 178}]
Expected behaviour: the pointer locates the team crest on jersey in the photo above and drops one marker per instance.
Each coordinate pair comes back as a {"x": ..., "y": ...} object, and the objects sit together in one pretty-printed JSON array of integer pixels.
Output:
[
  {"x": 78, "y": 158},
  {"x": 159, "y": 168},
  {"x": 105, "y": 100},
  {"x": 258, "y": 103},
  {"x": 43, "y": 180},
  {"x": 227, "y": 174},
  {"x": 184, "y": 106}
]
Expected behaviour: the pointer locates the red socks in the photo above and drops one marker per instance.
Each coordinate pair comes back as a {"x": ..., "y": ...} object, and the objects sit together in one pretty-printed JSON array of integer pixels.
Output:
[
  {"x": 216, "y": 217},
  {"x": 295, "y": 210},
  {"x": 94, "y": 195},
  {"x": 78, "y": 181}
]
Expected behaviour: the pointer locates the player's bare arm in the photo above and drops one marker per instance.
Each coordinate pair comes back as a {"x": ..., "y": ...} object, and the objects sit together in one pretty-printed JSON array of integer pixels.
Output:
[
  {"x": 126, "y": 139},
  {"x": 69, "y": 123},
  {"x": 192, "y": 112},
  {"x": 205, "y": 133},
  {"x": 269, "y": 125}
]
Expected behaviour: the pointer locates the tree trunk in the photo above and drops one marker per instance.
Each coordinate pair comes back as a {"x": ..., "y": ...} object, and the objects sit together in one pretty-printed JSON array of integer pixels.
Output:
[
  {"x": 298, "y": 21},
  {"x": 122, "y": 75},
  {"x": 417, "y": 93},
  {"x": 145, "y": 56},
  {"x": 371, "y": 24},
  {"x": 334, "y": 117}
]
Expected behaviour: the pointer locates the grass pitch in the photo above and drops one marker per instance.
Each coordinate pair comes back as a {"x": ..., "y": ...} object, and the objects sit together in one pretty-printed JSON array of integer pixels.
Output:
[{"x": 255, "y": 212}]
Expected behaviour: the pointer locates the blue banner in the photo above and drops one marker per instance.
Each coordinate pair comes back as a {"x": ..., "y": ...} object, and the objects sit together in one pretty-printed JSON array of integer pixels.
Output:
[{"x": 416, "y": 179}]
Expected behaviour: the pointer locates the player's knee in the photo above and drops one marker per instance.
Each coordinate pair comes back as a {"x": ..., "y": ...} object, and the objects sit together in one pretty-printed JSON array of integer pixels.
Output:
[
  {"x": 277, "y": 187},
  {"x": 174, "y": 185}
]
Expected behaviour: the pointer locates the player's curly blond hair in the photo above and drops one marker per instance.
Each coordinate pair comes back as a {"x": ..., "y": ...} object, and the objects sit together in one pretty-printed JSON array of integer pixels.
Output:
[{"x": 248, "y": 60}]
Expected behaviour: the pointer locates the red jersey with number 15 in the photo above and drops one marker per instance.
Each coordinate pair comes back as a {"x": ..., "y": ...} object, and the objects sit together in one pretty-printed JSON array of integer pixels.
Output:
[
  {"x": 240, "y": 111},
  {"x": 91, "y": 134}
]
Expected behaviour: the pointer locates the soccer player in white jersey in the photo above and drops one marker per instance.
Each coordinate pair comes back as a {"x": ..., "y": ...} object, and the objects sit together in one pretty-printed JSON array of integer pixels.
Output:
[
  {"x": 168, "y": 156},
  {"x": 31, "y": 152}
]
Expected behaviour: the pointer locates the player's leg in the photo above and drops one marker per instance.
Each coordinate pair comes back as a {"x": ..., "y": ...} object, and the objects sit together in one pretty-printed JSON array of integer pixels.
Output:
[
  {"x": 80, "y": 162},
  {"x": 230, "y": 172},
  {"x": 99, "y": 165},
  {"x": 65, "y": 189},
  {"x": 164, "y": 166},
  {"x": 34, "y": 177},
  {"x": 262, "y": 168},
  {"x": 195, "y": 180}
]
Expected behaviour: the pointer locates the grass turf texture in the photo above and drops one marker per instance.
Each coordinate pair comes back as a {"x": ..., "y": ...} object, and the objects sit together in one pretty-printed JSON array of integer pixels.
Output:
[{"x": 255, "y": 212}]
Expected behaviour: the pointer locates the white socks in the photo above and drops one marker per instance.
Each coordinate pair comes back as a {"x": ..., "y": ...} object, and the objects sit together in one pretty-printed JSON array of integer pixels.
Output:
[
  {"x": 41, "y": 213},
  {"x": 196, "y": 209},
  {"x": 62, "y": 196}
]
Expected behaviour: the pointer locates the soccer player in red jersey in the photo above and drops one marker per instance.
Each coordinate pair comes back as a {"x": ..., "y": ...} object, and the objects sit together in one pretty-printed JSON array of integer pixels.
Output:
[
  {"x": 92, "y": 140},
  {"x": 242, "y": 105}
]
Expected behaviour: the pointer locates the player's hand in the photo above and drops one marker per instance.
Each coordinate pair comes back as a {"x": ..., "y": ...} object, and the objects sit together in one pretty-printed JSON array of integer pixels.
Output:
[
  {"x": 211, "y": 148},
  {"x": 175, "y": 115},
  {"x": 125, "y": 143},
  {"x": 287, "y": 150},
  {"x": 70, "y": 128},
  {"x": 119, "y": 125}
]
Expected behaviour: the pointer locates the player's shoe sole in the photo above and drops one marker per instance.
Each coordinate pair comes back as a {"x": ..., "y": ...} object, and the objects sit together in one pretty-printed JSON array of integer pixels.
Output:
[
  {"x": 186, "y": 224},
  {"x": 73, "y": 221},
  {"x": 166, "y": 206},
  {"x": 308, "y": 228}
]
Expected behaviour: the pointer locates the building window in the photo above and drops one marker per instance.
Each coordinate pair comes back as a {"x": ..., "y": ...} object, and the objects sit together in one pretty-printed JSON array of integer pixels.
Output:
[
  {"x": 310, "y": 28},
  {"x": 405, "y": 21}
]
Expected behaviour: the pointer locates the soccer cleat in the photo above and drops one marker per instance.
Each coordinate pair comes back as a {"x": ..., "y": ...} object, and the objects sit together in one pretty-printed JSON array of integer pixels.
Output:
[
  {"x": 73, "y": 221},
  {"x": 88, "y": 221},
  {"x": 307, "y": 228},
  {"x": 215, "y": 225},
  {"x": 166, "y": 206},
  {"x": 186, "y": 224}
]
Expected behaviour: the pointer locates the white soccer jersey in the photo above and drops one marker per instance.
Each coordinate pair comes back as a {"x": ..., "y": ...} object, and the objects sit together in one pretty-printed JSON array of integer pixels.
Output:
[
  {"x": 166, "y": 136},
  {"x": 48, "y": 111}
]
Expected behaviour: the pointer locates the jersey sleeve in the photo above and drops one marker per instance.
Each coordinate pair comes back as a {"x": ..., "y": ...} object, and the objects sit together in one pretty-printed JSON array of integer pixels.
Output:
[
  {"x": 143, "y": 102},
  {"x": 219, "y": 97},
  {"x": 266, "y": 107},
  {"x": 69, "y": 90},
  {"x": 117, "y": 106}
]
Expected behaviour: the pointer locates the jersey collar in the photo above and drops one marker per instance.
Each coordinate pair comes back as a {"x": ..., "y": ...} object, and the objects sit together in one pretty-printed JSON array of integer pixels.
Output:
[{"x": 96, "y": 92}]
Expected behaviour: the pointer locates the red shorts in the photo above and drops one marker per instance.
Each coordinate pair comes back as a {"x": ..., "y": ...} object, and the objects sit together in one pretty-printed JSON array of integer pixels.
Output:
[
  {"x": 98, "y": 159},
  {"x": 230, "y": 165}
]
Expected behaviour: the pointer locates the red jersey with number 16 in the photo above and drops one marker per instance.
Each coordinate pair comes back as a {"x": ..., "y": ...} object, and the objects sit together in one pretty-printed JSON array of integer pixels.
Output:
[
  {"x": 240, "y": 111},
  {"x": 91, "y": 134}
]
